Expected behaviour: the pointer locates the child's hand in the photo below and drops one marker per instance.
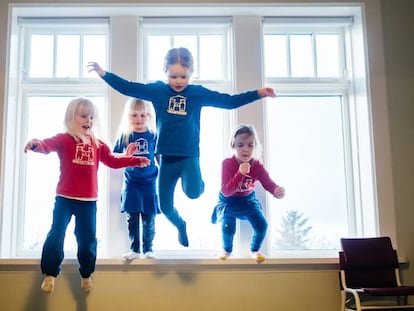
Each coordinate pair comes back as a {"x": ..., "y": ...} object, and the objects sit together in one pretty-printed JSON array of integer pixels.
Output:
[
  {"x": 143, "y": 161},
  {"x": 131, "y": 149},
  {"x": 279, "y": 192},
  {"x": 266, "y": 92},
  {"x": 31, "y": 145},
  {"x": 244, "y": 169},
  {"x": 95, "y": 67}
]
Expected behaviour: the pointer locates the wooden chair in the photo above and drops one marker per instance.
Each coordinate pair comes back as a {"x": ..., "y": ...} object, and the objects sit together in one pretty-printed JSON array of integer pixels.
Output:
[{"x": 370, "y": 277}]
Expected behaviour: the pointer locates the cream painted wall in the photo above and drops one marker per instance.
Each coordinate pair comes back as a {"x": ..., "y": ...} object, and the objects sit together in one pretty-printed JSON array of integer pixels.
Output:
[
  {"x": 170, "y": 287},
  {"x": 398, "y": 30},
  {"x": 267, "y": 287}
]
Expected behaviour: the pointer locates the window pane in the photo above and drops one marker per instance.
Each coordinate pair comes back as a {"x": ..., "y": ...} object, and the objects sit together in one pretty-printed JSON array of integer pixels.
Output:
[
  {"x": 327, "y": 55},
  {"x": 67, "y": 58},
  {"x": 158, "y": 45},
  {"x": 94, "y": 50},
  {"x": 41, "y": 56},
  {"x": 189, "y": 42},
  {"x": 275, "y": 56},
  {"x": 211, "y": 57},
  {"x": 301, "y": 56},
  {"x": 39, "y": 196},
  {"x": 307, "y": 158}
]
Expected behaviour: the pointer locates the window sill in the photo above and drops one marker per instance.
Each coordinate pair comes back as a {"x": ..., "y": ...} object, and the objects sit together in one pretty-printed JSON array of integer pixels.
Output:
[{"x": 181, "y": 264}]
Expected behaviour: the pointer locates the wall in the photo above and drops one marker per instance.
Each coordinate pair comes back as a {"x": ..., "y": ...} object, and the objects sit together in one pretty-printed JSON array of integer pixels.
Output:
[
  {"x": 175, "y": 286},
  {"x": 398, "y": 30},
  {"x": 271, "y": 286}
]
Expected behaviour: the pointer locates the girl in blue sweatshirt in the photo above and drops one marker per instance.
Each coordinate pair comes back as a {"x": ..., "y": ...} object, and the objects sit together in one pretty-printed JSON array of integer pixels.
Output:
[{"x": 178, "y": 107}]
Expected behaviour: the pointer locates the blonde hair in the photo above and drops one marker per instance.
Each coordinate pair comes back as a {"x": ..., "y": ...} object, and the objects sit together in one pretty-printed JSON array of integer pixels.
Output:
[
  {"x": 126, "y": 129},
  {"x": 250, "y": 131},
  {"x": 81, "y": 106}
]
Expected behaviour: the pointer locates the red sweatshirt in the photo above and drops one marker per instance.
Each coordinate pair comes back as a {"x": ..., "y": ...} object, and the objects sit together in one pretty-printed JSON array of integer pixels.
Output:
[
  {"x": 233, "y": 183},
  {"x": 79, "y": 164}
]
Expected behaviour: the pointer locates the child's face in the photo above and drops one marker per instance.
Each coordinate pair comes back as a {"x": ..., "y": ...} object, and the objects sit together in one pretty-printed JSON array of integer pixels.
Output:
[
  {"x": 138, "y": 120},
  {"x": 244, "y": 146},
  {"x": 84, "y": 121},
  {"x": 178, "y": 77}
]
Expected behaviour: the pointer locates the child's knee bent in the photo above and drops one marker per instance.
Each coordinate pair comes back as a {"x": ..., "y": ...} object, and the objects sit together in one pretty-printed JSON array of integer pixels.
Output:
[{"x": 194, "y": 192}]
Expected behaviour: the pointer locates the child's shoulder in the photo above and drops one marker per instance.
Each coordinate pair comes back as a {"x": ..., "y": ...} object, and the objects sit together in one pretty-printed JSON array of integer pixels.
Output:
[
  {"x": 63, "y": 136},
  {"x": 230, "y": 160}
]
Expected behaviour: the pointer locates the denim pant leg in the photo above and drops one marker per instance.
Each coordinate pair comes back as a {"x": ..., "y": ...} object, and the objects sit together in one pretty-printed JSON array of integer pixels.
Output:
[
  {"x": 52, "y": 252},
  {"x": 148, "y": 232},
  {"x": 169, "y": 173},
  {"x": 191, "y": 180},
  {"x": 228, "y": 230},
  {"x": 133, "y": 232},
  {"x": 259, "y": 224},
  {"x": 85, "y": 232}
]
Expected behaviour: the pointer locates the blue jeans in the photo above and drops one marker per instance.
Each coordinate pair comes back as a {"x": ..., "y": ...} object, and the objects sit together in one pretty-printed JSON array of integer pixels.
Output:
[
  {"x": 148, "y": 231},
  {"x": 85, "y": 232},
  {"x": 228, "y": 229},
  {"x": 172, "y": 169}
]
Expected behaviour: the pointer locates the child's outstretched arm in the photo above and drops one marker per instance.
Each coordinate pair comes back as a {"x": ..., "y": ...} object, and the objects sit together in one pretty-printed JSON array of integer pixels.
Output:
[
  {"x": 95, "y": 67},
  {"x": 131, "y": 149},
  {"x": 120, "y": 160}
]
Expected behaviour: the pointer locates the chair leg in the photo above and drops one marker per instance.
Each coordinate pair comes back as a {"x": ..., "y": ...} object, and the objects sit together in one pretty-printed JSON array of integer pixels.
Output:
[{"x": 357, "y": 302}]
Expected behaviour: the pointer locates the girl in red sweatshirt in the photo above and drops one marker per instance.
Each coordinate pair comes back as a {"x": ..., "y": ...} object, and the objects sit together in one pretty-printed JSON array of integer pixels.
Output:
[{"x": 79, "y": 152}]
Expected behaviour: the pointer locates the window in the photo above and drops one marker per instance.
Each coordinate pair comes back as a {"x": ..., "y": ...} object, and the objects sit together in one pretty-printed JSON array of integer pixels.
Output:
[
  {"x": 316, "y": 134},
  {"x": 53, "y": 60},
  {"x": 208, "y": 40},
  {"x": 315, "y": 153}
]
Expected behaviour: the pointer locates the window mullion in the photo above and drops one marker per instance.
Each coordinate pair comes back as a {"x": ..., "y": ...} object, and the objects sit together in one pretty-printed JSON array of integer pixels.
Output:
[
  {"x": 314, "y": 56},
  {"x": 289, "y": 56}
]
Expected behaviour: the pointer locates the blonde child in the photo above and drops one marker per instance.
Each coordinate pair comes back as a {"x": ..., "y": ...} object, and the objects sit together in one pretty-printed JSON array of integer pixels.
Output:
[
  {"x": 237, "y": 198},
  {"x": 178, "y": 107},
  {"x": 139, "y": 198},
  {"x": 80, "y": 152}
]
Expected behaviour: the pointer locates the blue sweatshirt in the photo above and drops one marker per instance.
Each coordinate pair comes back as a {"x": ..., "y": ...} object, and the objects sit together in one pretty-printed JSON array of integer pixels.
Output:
[
  {"x": 178, "y": 114},
  {"x": 145, "y": 177}
]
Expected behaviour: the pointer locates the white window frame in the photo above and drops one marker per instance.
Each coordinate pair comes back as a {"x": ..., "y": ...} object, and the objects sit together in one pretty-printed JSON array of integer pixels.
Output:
[
  {"x": 27, "y": 87},
  {"x": 359, "y": 158},
  {"x": 195, "y": 27}
]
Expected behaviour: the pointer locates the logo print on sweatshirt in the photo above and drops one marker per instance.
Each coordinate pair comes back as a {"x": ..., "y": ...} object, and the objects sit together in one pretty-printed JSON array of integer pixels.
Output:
[
  {"x": 246, "y": 185},
  {"x": 177, "y": 105},
  {"x": 142, "y": 146},
  {"x": 84, "y": 154}
]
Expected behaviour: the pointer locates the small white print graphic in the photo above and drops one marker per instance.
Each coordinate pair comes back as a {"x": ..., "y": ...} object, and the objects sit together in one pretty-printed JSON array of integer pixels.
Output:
[
  {"x": 84, "y": 154},
  {"x": 142, "y": 146},
  {"x": 177, "y": 105},
  {"x": 245, "y": 185}
]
